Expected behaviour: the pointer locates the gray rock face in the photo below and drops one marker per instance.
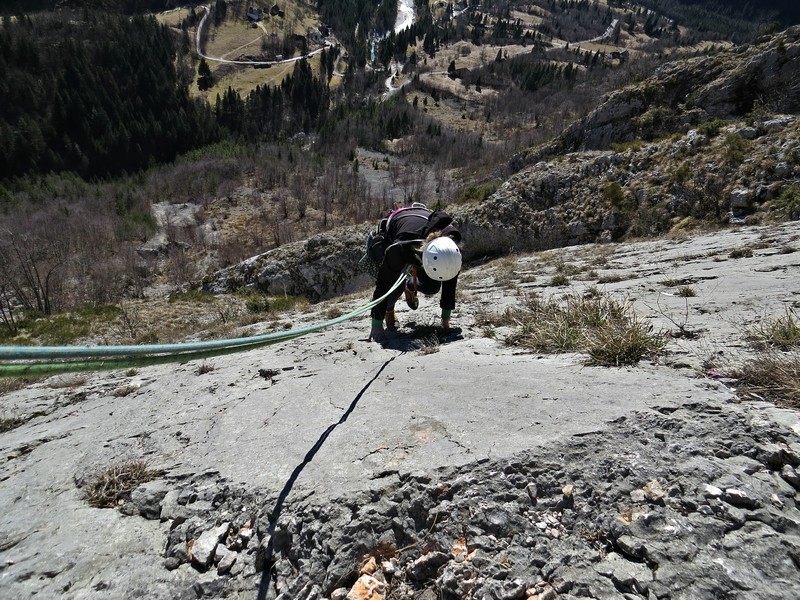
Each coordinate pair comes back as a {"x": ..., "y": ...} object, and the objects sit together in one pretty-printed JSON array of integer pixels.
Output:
[
  {"x": 485, "y": 537},
  {"x": 204, "y": 547},
  {"x": 147, "y": 498},
  {"x": 321, "y": 267},
  {"x": 741, "y": 199},
  {"x": 518, "y": 474}
]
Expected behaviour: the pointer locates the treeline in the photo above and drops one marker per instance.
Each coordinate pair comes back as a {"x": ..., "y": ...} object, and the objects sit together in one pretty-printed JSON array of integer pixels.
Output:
[
  {"x": 272, "y": 113},
  {"x": 95, "y": 94},
  {"x": 355, "y": 20},
  {"x": 735, "y": 19},
  {"x": 128, "y": 7}
]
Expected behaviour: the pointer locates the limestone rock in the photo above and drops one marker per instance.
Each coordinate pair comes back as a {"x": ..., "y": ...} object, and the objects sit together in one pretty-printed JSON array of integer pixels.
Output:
[
  {"x": 147, "y": 498},
  {"x": 426, "y": 565},
  {"x": 367, "y": 588},
  {"x": 204, "y": 547}
]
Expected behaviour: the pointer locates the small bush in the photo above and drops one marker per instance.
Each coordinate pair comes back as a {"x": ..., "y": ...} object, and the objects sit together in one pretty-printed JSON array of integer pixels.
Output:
[
  {"x": 624, "y": 342},
  {"x": 478, "y": 192},
  {"x": 711, "y": 128},
  {"x": 559, "y": 280},
  {"x": 634, "y": 145},
  {"x": 57, "y": 329},
  {"x": 674, "y": 282},
  {"x": 427, "y": 345},
  {"x": 284, "y": 303},
  {"x": 735, "y": 148},
  {"x": 614, "y": 194},
  {"x": 789, "y": 202},
  {"x": 192, "y": 296},
  {"x": 611, "y": 278},
  {"x": 682, "y": 173},
  {"x": 568, "y": 268},
  {"x": 686, "y": 291},
  {"x": 114, "y": 485},
  {"x": 205, "y": 368},
  {"x": 257, "y": 304},
  {"x": 260, "y": 304},
  {"x": 741, "y": 253},
  {"x": 10, "y": 423}
]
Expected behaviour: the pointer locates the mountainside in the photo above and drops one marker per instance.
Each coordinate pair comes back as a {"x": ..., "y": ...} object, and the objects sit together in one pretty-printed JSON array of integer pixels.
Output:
[{"x": 705, "y": 142}]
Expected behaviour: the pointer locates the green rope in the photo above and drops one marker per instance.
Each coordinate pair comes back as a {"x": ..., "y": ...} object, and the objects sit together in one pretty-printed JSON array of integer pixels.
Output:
[{"x": 123, "y": 357}]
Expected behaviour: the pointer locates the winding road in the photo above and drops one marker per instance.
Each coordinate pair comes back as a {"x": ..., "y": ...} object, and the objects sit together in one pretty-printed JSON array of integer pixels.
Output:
[{"x": 228, "y": 61}]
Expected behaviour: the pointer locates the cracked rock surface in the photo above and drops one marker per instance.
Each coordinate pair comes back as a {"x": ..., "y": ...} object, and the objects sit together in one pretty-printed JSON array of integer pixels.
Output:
[{"x": 329, "y": 467}]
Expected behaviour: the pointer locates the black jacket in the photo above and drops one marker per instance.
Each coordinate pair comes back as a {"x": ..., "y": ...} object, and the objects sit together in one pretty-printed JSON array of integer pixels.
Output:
[{"x": 412, "y": 226}]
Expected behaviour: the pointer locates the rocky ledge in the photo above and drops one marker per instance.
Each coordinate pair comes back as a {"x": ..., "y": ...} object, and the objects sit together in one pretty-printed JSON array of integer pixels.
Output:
[
  {"x": 450, "y": 466},
  {"x": 657, "y": 506}
]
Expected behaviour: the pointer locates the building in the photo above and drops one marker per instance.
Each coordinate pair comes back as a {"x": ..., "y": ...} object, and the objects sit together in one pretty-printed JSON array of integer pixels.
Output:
[{"x": 253, "y": 14}]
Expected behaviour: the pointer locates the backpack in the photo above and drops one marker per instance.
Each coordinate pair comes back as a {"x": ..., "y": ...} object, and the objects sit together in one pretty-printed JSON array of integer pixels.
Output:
[{"x": 377, "y": 246}]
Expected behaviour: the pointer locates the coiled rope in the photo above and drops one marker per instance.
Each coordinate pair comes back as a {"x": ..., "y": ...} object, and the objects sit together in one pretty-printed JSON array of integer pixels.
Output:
[{"x": 49, "y": 360}]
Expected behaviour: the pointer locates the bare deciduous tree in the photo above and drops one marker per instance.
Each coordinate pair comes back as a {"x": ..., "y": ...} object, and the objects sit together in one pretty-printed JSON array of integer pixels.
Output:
[{"x": 33, "y": 255}]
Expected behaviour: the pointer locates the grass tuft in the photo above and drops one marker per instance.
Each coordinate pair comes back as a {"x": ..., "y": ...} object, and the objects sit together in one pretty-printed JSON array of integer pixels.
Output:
[
  {"x": 205, "y": 368},
  {"x": 605, "y": 328},
  {"x": 12, "y": 384},
  {"x": 782, "y": 333},
  {"x": 741, "y": 253},
  {"x": 10, "y": 423},
  {"x": 114, "y": 485},
  {"x": 773, "y": 376}
]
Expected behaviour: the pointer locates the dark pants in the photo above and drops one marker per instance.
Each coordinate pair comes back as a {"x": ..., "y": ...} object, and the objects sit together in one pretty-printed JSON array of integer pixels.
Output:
[{"x": 425, "y": 285}]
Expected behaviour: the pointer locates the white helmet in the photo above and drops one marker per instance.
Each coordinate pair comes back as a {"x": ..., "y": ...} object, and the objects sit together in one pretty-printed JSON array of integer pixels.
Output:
[{"x": 441, "y": 259}]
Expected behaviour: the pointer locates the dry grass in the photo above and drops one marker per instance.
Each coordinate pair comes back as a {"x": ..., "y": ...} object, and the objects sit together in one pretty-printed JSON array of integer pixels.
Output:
[
  {"x": 205, "y": 368},
  {"x": 172, "y": 18},
  {"x": 232, "y": 38},
  {"x": 487, "y": 318},
  {"x": 606, "y": 329},
  {"x": 773, "y": 376},
  {"x": 427, "y": 345},
  {"x": 12, "y": 384},
  {"x": 741, "y": 253},
  {"x": 782, "y": 333},
  {"x": 175, "y": 319},
  {"x": 10, "y": 423},
  {"x": 125, "y": 390},
  {"x": 67, "y": 382},
  {"x": 114, "y": 485}
]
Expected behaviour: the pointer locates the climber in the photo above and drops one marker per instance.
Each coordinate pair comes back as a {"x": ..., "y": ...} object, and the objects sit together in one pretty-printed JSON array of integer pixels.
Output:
[{"x": 426, "y": 241}]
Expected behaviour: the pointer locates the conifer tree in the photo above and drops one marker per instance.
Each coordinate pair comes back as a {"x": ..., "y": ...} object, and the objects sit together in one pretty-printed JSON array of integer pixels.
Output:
[{"x": 205, "y": 79}]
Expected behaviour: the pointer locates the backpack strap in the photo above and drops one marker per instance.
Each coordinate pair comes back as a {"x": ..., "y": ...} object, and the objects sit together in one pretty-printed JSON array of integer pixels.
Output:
[
  {"x": 395, "y": 212},
  {"x": 401, "y": 243}
]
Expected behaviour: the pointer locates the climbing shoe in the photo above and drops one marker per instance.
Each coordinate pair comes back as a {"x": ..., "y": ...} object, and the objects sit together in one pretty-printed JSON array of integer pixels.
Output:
[
  {"x": 391, "y": 320},
  {"x": 411, "y": 299}
]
